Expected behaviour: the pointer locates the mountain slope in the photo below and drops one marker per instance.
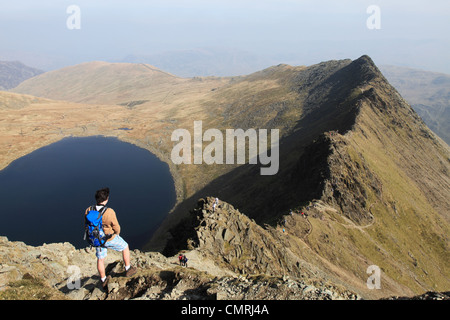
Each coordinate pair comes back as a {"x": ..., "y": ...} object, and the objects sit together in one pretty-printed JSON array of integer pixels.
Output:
[{"x": 12, "y": 73}]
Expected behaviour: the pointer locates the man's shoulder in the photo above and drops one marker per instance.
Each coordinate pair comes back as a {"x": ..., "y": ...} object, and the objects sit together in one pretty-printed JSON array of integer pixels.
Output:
[
  {"x": 109, "y": 216},
  {"x": 109, "y": 211}
]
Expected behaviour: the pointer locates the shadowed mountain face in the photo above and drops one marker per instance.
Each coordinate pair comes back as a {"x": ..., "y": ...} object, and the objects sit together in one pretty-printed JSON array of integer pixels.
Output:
[
  {"x": 372, "y": 177},
  {"x": 12, "y": 73}
]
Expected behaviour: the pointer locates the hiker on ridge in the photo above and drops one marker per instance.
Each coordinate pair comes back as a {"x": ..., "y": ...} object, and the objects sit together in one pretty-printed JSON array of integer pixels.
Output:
[
  {"x": 216, "y": 202},
  {"x": 114, "y": 241}
]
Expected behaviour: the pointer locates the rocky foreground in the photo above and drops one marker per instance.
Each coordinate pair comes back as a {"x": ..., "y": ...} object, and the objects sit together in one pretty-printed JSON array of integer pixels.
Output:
[
  {"x": 60, "y": 271},
  {"x": 51, "y": 271},
  {"x": 223, "y": 264}
]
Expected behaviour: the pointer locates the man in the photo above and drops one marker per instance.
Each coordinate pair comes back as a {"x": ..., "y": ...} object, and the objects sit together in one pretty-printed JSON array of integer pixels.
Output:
[{"x": 115, "y": 242}]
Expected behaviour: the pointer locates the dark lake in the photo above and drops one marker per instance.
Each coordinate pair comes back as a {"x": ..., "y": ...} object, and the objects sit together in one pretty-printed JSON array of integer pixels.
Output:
[{"x": 43, "y": 195}]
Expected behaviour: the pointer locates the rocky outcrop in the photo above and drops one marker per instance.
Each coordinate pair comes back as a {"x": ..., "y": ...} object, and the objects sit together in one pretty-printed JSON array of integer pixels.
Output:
[
  {"x": 51, "y": 271},
  {"x": 238, "y": 243},
  {"x": 331, "y": 171},
  {"x": 350, "y": 181}
]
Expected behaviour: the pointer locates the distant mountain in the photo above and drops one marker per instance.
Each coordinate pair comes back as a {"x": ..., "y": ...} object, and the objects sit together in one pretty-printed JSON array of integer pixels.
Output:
[
  {"x": 204, "y": 62},
  {"x": 427, "y": 92},
  {"x": 102, "y": 82},
  {"x": 12, "y": 73}
]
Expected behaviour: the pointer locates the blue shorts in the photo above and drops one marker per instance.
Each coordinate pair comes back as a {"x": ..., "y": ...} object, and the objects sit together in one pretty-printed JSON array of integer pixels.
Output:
[{"x": 117, "y": 244}]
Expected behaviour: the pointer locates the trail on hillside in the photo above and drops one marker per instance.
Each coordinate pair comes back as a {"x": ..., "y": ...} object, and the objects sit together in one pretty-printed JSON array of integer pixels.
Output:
[{"x": 355, "y": 226}]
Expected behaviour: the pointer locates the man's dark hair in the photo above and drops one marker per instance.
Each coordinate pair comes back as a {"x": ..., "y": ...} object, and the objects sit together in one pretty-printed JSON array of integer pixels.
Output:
[{"x": 101, "y": 195}]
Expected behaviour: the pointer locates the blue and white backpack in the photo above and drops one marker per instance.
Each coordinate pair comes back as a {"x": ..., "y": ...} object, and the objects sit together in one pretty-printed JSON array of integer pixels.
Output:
[{"x": 94, "y": 233}]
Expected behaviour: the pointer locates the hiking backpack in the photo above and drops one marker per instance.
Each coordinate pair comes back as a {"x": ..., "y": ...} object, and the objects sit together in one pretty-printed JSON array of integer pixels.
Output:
[{"x": 94, "y": 233}]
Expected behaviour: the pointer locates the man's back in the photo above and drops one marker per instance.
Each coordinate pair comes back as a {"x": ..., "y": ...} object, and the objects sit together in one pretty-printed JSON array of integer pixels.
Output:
[{"x": 110, "y": 223}]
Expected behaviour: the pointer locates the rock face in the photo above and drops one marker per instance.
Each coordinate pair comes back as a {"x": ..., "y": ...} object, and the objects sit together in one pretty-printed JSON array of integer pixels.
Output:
[
  {"x": 329, "y": 172},
  {"x": 233, "y": 239}
]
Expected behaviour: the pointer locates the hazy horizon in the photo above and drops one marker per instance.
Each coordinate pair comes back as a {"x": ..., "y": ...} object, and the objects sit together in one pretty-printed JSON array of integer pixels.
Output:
[{"x": 412, "y": 33}]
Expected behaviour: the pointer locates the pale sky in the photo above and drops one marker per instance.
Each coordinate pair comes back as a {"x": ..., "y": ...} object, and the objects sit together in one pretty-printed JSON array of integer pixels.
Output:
[{"x": 413, "y": 33}]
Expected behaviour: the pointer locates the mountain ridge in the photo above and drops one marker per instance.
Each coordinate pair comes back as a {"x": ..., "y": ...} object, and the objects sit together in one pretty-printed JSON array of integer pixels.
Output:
[{"x": 352, "y": 185}]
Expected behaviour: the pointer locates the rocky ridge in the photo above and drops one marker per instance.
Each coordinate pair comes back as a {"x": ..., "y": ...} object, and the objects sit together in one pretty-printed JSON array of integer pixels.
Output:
[
  {"x": 228, "y": 259},
  {"x": 378, "y": 176}
]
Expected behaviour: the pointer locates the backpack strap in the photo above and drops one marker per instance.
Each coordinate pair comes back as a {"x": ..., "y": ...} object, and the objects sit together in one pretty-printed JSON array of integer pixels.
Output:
[{"x": 102, "y": 211}]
